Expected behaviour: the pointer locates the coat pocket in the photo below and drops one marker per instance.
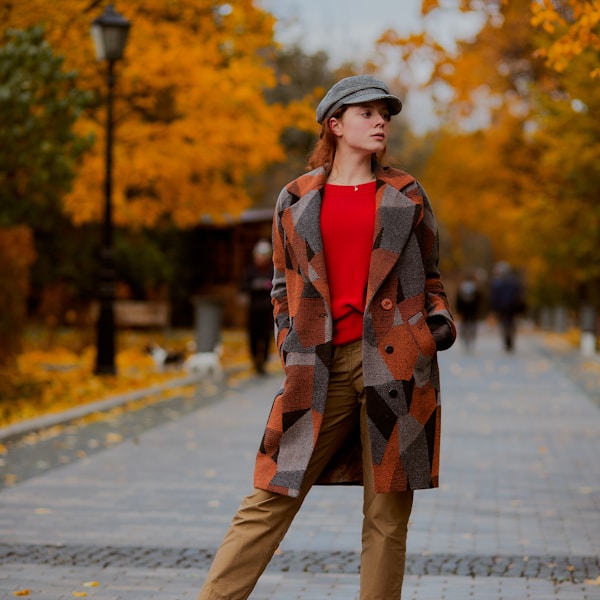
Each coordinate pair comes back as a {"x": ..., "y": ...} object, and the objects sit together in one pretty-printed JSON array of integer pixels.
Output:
[{"x": 422, "y": 334}]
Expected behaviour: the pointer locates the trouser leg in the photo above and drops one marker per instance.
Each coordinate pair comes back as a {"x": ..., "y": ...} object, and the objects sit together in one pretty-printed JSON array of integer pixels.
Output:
[
  {"x": 264, "y": 517},
  {"x": 508, "y": 332},
  {"x": 255, "y": 532},
  {"x": 385, "y": 522}
]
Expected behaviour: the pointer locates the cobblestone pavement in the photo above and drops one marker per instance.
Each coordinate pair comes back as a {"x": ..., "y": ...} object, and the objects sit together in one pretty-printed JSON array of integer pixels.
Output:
[
  {"x": 574, "y": 569},
  {"x": 32, "y": 453},
  {"x": 517, "y": 515}
]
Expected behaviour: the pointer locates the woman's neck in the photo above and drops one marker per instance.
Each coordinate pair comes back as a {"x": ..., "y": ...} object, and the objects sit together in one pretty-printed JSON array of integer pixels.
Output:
[{"x": 350, "y": 172}]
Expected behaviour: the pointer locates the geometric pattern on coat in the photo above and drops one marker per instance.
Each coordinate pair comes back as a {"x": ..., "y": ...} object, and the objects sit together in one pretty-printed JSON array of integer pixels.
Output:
[{"x": 400, "y": 368}]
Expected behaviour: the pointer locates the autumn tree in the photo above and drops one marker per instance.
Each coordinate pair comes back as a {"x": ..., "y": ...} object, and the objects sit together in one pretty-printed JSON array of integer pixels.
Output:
[
  {"x": 567, "y": 131},
  {"x": 39, "y": 150},
  {"x": 508, "y": 154},
  {"x": 573, "y": 27},
  {"x": 563, "y": 217},
  {"x": 192, "y": 122},
  {"x": 40, "y": 105}
]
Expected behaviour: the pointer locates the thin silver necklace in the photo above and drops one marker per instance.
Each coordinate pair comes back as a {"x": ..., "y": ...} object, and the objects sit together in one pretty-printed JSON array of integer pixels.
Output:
[
  {"x": 365, "y": 183},
  {"x": 355, "y": 186}
]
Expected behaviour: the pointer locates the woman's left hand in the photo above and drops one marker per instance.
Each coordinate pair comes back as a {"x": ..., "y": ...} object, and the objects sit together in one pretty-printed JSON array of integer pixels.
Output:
[{"x": 441, "y": 332}]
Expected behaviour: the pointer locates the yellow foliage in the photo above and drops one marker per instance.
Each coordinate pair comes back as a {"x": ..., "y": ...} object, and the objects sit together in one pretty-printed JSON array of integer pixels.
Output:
[
  {"x": 573, "y": 36},
  {"x": 191, "y": 123},
  {"x": 429, "y": 5},
  {"x": 60, "y": 378}
]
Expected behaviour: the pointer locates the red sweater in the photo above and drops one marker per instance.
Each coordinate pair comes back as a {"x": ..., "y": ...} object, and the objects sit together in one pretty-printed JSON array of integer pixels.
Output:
[{"x": 347, "y": 225}]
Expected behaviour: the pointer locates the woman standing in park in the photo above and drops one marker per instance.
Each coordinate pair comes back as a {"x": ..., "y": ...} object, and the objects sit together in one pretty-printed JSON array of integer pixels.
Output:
[{"x": 360, "y": 312}]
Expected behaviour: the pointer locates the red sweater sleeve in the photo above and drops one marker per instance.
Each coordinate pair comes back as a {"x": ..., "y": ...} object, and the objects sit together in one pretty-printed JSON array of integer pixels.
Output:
[{"x": 347, "y": 224}]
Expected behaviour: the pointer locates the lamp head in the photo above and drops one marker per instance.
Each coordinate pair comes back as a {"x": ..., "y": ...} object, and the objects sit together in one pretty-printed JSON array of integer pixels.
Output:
[{"x": 109, "y": 32}]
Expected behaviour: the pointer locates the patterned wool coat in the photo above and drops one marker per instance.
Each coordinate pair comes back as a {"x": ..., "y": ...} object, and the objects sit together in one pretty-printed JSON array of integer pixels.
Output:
[{"x": 400, "y": 369}]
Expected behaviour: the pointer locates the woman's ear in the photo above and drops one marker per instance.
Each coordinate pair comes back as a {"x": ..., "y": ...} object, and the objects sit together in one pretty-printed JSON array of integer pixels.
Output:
[{"x": 335, "y": 125}]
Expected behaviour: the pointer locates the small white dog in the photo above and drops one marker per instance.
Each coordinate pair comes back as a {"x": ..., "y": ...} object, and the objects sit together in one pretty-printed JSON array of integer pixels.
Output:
[
  {"x": 206, "y": 364},
  {"x": 163, "y": 358}
]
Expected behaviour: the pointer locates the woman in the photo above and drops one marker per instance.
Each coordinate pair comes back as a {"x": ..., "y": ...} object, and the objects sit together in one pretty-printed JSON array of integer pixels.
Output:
[{"x": 359, "y": 311}]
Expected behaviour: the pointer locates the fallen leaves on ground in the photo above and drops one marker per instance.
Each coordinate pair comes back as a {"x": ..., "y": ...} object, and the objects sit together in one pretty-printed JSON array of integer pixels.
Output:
[{"x": 55, "y": 379}]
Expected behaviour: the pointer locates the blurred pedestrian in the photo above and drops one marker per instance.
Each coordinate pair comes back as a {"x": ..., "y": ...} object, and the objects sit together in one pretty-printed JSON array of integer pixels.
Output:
[
  {"x": 256, "y": 284},
  {"x": 360, "y": 313},
  {"x": 507, "y": 301},
  {"x": 468, "y": 308}
]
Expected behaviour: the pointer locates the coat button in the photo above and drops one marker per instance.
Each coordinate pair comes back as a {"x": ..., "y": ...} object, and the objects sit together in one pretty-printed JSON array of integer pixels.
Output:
[
  {"x": 387, "y": 304},
  {"x": 389, "y": 349},
  {"x": 393, "y": 393}
]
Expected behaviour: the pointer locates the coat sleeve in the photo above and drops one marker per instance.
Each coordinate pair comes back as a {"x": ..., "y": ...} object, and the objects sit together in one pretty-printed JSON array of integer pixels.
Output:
[
  {"x": 279, "y": 297},
  {"x": 436, "y": 301}
]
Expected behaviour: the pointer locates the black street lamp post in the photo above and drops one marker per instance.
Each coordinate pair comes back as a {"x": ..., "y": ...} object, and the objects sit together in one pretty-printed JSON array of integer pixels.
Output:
[{"x": 109, "y": 32}]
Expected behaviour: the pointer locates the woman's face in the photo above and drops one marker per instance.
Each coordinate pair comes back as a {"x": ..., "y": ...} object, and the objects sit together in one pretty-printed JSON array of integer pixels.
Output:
[{"x": 363, "y": 127}]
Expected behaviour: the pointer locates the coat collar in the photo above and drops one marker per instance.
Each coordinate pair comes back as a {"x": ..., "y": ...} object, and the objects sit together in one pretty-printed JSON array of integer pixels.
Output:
[{"x": 394, "y": 220}]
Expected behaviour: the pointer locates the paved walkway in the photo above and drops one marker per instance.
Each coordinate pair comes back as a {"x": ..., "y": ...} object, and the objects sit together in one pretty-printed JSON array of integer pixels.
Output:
[{"x": 517, "y": 516}]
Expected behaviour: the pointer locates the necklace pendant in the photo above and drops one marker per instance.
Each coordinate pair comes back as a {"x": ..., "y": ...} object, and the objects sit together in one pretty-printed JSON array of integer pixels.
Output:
[{"x": 356, "y": 188}]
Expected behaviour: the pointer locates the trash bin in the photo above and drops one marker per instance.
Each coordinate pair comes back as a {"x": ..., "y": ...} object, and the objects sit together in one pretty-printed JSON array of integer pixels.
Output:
[
  {"x": 587, "y": 322},
  {"x": 207, "y": 323},
  {"x": 561, "y": 319}
]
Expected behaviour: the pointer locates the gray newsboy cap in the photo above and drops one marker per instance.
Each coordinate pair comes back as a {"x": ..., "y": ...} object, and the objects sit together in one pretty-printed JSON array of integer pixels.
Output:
[{"x": 355, "y": 90}]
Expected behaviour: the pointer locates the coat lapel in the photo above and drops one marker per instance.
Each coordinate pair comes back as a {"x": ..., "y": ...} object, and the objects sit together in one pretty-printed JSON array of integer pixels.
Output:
[
  {"x": 397, "y": 211},
  {"x": 303, "y": 230}
]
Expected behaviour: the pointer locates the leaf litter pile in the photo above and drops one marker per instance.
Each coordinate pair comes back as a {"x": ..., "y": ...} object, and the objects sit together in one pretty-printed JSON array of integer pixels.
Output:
[{"x": 53, "y": 379}]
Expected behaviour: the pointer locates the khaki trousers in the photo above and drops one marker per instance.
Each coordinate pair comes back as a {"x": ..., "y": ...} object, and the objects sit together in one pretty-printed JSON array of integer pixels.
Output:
[{"x": 264, "y": 517}]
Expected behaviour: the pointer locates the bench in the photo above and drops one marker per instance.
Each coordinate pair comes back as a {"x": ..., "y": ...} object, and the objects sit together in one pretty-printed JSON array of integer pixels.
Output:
[{"x": 142, "y": 313}]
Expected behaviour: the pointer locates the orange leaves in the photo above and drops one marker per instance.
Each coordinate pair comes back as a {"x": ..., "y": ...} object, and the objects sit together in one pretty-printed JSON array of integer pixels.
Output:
[
  {"x": 428, "y": 5},
  {"x": 75, "y": 594},
  {"x": 191, "y": 122},
  {"x": 574, "y": 30},
  {"x": 60, "y": 378},
  {"x": 544, "y": 14}
]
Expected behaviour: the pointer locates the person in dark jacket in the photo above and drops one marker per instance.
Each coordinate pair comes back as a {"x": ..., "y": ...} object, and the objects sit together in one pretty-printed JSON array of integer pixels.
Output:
[
  {"x": 256, "y": 285},
  {"x": 507, "y": 301},
  {"x": 468, "y": 307}
]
